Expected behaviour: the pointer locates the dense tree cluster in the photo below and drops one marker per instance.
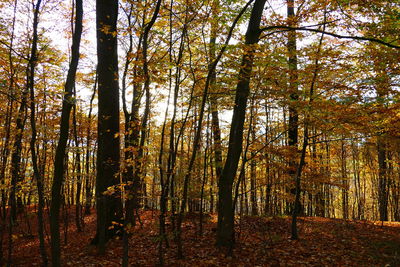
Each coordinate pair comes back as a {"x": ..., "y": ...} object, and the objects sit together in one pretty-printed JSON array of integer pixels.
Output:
[{"x": 215, "y": 106}]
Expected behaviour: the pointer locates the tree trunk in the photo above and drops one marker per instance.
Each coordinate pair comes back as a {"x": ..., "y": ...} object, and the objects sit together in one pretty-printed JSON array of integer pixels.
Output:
[
  {"x": 78, "y": 172},
  {"x": 253, "y": 163},
  {"x": 294, "y": 97},
  {"x": 383, "y": 181},
  {"x": 345, "y": 183},
  {"x": 225, "y": 228},
  {"x": 204, "y": 180},
  {"x": 213, "y": 99},
  {"x": 59, "y": 168},
  {"x": 268, "y": 189},
  {"x": 88, "y": 181},
  {"x": 7, "y": 136},
  {"x": 297, "y": 209},
  {"x": 164, "y": 182},
  {"x": 108, "y": 156},
  {"x": 30, "y": 85}
]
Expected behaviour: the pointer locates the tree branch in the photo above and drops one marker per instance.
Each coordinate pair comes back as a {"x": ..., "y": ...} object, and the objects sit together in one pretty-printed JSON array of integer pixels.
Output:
[
  {"x": 16, "y": 52},
  {"x": 360, "y": 38}
]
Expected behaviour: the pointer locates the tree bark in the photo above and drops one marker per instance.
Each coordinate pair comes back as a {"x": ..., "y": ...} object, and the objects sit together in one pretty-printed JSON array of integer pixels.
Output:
[
  {"x": 68, "y": 103},
  {"x": 5, "y": 152},
  {"x": 253, "y": 163},
  {"x": 297, "y": 209},
  {"x": 108, "y": 156},
  {"x": 78, "y": 171},
  {"x": 225, "y": 228},
  {"x": 383, "y": 185},
  {"x": 88, "y": 182},
  {"x": 293, "y": 95},
  {"x": 30, "y": 85},
  {"x": 345, "y": 183},
  {"x": 214, "y": 99}
]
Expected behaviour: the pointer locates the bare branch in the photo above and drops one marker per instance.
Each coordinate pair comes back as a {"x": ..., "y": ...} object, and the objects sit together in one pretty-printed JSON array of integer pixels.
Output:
[{"x": 359, "y": 38}]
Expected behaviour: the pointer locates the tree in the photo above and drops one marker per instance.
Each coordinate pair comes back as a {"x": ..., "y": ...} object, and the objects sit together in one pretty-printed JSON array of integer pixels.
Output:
[
  {"x": 213, "y": 99},
  {"x": 108, "y": 155},
  {"x": 293, "y": 92},
  {"x": 59, "y": 168},
  {"x": 314, "y": 130},
  {"x": 225, "y": 229},
  {"x": 31, "y": 87},
  {"x": 136, "y": 129},
  {"x": 5, "y": 151}
]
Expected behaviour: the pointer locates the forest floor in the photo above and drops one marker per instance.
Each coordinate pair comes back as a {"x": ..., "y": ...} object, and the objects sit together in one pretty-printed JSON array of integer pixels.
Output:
[{"x": 261, "y": 241}]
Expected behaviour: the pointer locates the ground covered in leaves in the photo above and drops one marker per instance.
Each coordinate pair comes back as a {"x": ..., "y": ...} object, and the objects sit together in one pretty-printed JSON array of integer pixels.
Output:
[{"x": 261, "y": 241}]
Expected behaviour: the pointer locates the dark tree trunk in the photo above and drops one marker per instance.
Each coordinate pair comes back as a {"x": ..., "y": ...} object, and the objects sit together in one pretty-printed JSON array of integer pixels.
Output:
[
  {"x": 136, "y": 137},
  {"x": 382, "y": 90},
  {"x": 30, "y": 85},
  {"x": 108, "y": 156},
  {"x": 345, "y": 183},
  {"x": 268, "y": 210},
  {"x": 59, "y": 168},
  {"x": 78, "y": 207},
  {"x": 216, "y": 131},
  {"x": 132, "y": 129},
  {"x": 297, "y": 209},
  {"x": 253, "y": 163},
  {"x": 383, "y": 191},
  {"x": 88, "y": 181},
  {"x": 174, "y": 141},
  {"x": 297, "y": 204},
  {"x": 139, "y": 130},
  {"x": 7, "y": 136},
  {"x": 293, "y": 91},
  {"x": 225, "y": 228},
  {"x": 163, "y": 182},
  {"x": 204, "y": 181},
  {"x": 127, "y": 173}
]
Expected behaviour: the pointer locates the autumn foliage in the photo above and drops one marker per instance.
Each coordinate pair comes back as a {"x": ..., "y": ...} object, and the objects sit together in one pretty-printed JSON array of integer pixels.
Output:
[{"x": 203, "y": 133}]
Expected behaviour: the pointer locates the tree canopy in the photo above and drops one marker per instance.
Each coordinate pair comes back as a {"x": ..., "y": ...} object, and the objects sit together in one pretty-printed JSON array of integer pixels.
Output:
[{"x": 224, "y": 108}]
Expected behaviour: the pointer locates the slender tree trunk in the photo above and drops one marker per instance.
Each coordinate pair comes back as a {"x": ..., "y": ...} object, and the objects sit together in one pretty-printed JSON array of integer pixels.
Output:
[
  {"x": 253, "y": 163},
  {"x": 225, "y": 228},
  {"x": 297, "y": 204},
  {"x": 297, "y": 209},
  {"x": 59, "y": 168},
  {"x": 16, "y": 176},
  {"x": 138, "y": 136},
  {"x": 382, "y": 87},
  {"x": 319, "y": 196},
  {"x": 36, "y": 173},
  {"x": 164, "y": 183},
  {"x": 345, "y": 194},
  {"x": 127, "y": 172},
  {"x": 7, "y": 136},
  {"x": 173, "y": 140},
  {"x": 78, "y": 171},
  {"x": 139, "y": 129},
  {"x": 383, "y": 181},
  {"x": 396, "y": 195},
  {"x": 268, "y": 199},
  {"x": 204, "y": 180},
  {"x": 293, "y": 91},
  {"x": 211, "y": 188},
  {"x": 214, "y": 99},
  {"x": 88, "y": 181}
]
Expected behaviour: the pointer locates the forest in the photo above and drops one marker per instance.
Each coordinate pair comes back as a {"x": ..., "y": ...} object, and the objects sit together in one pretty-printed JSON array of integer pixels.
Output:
[{"x": 200, "y": 133}]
